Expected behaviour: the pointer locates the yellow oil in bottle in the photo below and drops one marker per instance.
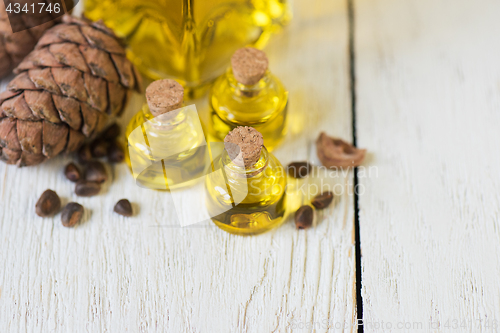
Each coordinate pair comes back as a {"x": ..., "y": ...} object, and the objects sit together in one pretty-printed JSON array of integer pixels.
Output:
[
  {"x": 247, "y": 201},
  {"x": 262, "y": 106},
  {"x": 167, "y": 151},
  {"x": 189, "y": 40}
]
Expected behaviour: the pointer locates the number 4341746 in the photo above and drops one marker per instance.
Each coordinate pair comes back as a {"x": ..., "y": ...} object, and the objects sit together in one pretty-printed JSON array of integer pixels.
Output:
[{"x": 16, "y": 8}]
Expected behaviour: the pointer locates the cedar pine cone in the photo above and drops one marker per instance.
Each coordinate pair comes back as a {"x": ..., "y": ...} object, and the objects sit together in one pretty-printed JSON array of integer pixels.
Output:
[
  {"x": 15, "y": 46},
  {"x": 66, "y": 90}
]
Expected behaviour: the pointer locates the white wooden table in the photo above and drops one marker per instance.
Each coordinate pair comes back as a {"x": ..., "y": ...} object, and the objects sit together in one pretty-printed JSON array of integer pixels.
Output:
[{"x": 422, "y": 79}]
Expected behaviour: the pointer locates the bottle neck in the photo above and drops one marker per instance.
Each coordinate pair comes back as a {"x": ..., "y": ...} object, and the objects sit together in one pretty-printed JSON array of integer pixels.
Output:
[
  {"x": 244, "y": 90},
  {"x": 166, "y": 120},
  {"x": 235, "y": 171}
]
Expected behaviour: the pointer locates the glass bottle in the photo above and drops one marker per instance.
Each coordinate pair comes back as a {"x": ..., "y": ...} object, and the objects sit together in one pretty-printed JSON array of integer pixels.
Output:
[
  {"x": 189, "y": 40},
  {"x": 248, "y": 197},
  {"x": 248, "y": 95},
  {"x": 166, "y": 144}
]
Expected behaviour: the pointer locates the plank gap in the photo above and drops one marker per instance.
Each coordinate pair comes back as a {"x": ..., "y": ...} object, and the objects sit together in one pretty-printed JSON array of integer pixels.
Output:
[{"x": 357, "y": 238}]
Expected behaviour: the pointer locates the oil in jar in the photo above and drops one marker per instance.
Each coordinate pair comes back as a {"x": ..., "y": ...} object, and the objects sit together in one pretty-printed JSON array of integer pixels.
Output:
[
  {"x": 248, "y": 95},
  {"x": 189, "y": 40},
  {"x": 166, "y": 144},
  {"x": 246, "y": 194}
]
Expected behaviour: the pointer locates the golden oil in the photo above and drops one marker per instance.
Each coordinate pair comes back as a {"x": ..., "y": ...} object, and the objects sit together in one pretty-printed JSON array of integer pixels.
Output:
[
  {"x": 166, "y": 151},
  {"x": 261, "y": 105},
  {"x": 189, "y": 40},
  {"x": 247, "y": 200}
]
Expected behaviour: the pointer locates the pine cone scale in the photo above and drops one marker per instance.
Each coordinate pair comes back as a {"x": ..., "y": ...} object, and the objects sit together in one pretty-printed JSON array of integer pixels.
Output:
[
  {"x": 10, "y": 156},
  {"x": 54, "y": 138},
  {"x": 125, "y": 70},
  {"x": 8, "y": 134},
  {"x": 21, "y": 82},
  {"x": 100, "y": 63},
  {"x": 90, "y": 120},
  {"x": 75, "y": 140},
  {"x": 40, "y": 103},
  {"x": 69, "y": 111},
  {"x": 7, "y": 95},
  {"x": 69, "y": 55},
  {"x": 62, "y": 33},
  {"x": 43, "y": 79},
  {"x": 49, "y": 38},
  {"x": 29, "y": 134},
  {"x": 18, "y": 108},
  {"x": 102, "y": 41},
  {"x": 117, "y": 96},
  {"x": 71, "y": 83},
  {"x": 28, "y": 159},
  {"x": 102, "y": 121},
  {"x": 36, "y": 59},
  {"x": 97, "y": 91}
]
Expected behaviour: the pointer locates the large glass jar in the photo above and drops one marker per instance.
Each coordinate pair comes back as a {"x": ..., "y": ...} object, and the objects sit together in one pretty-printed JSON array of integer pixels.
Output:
[{"x": 189, "y": 40}]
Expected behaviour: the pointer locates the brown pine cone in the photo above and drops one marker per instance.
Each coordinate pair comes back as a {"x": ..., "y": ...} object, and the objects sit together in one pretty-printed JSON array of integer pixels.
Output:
[
  {"x": 66, "y": 90},
  {"x": 15, "y": 46}
]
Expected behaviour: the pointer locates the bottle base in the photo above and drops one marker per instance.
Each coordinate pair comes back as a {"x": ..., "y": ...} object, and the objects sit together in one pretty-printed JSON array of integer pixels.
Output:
[{"x": 248, "y": 231}]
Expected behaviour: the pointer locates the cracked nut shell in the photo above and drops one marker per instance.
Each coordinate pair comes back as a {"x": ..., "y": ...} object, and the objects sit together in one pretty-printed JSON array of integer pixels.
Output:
[{"x": 333, "y": 152}]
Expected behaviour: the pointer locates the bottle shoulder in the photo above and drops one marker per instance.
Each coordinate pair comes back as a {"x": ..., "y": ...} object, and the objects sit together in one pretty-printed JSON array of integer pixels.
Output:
[
  {"x": 225, "y": 89},
  {"x": 184, "y": 128},
  {"x": 264, "y": 188},
  {"x": 232, "y": 105},
  {"x": 272, "y": 171}
]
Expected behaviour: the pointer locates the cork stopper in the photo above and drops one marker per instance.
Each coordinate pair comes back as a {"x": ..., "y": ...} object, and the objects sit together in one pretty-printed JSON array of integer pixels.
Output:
[
  {"x": 243, "y": 145},
  {"x": 249, "y": 65},
  {"x": 164, "y": 96}
]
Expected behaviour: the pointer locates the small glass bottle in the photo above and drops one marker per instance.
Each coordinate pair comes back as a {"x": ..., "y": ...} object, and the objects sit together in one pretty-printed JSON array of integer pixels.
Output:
[
  {"x": 248, "y": 95},
  {"x": 246, "y": 192},
  {"x": 166, "y": 143}
]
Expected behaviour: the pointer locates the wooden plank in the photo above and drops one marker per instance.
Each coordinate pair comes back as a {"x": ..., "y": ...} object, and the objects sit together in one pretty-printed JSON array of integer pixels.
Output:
[
  {"x": 428, "y": 100},
  {"x": 146, "y": 274}
]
